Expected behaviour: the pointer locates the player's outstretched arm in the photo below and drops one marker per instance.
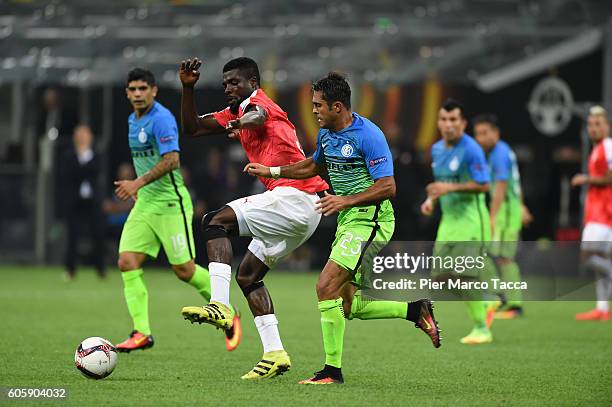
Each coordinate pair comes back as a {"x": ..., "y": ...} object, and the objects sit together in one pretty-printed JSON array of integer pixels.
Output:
[
  {"x": 301, "y": 170},
  {"x": 129, "y": 188},
  {"x": 583, "y": 179},
  {"x": 192, "y": 124},
  {"x": 383, "y": 188}
]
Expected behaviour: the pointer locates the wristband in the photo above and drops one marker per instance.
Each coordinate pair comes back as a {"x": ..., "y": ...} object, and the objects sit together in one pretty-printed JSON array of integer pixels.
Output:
[{"x": 275, "y": 172}]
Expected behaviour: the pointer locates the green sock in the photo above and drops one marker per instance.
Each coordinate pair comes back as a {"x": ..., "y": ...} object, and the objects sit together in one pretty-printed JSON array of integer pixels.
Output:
[
  {"x": 511, "y": 272},
  {"x": 477, "y": 311},
  {"x": 332, "y": 326},
  {"x": 137, "y": 297},
  {"x": 201, "y": 281},
  {"x": 367, "y": 308}
]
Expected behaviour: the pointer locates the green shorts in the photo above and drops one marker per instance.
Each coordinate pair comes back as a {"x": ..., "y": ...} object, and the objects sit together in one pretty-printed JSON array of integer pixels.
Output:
[
  {"x": 353, "y": 237},
  {"x": 145, "y": 232},
  {"x": 461, "y": 259},
  {"x": 504, "y": 243}
]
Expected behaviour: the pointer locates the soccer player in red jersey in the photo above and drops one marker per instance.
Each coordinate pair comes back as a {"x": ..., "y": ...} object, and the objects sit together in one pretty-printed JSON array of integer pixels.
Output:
[
  {"x": 278, "y": 220},
  {"x": 597, "y": 232}
]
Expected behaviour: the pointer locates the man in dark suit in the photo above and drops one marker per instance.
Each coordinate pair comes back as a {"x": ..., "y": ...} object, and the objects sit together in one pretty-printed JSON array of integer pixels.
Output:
[{"x": 82, "y": 200}]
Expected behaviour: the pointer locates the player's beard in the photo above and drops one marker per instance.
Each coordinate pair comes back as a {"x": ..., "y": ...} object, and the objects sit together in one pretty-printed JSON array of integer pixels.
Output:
[{"x": 234, "y": 104}]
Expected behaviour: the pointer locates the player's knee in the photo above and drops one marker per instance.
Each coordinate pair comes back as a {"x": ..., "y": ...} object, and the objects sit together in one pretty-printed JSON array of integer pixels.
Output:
[
  {"x": 215, "y": 226},
  {"x": 503, "y": 261},
  {"x": 127, "y": 263}
]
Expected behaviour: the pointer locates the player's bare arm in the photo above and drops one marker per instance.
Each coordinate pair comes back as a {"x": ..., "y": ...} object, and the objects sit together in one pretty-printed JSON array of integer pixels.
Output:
[
  {"x": 192, "y": 124},
  {"x": 438, "y": 189},
  {"x": 383, "y": 188},
  {"x": 498, "y": 198},
  {"x": 301, "y": 170},
  {"x": 583, "y": 179},
  {"x": 129, "y": 188}
]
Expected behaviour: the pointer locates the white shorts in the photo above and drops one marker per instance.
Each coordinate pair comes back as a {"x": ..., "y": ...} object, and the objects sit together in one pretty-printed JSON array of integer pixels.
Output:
[
  {"x": 597, "y": 237},
  {"x": 279, "y": 221}
]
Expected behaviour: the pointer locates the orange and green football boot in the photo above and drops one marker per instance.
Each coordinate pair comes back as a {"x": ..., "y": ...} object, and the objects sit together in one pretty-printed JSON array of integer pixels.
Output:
[
  {"x": 137, "y": 340},
  {"x": 329, "y": 375}
]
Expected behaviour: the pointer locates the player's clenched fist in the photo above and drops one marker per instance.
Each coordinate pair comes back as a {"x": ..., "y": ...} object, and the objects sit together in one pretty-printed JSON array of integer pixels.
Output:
[
  {"x": 189, "y": 71},
  {"x": 427, "y": 207},
  {"x": 257, "y": 170}
]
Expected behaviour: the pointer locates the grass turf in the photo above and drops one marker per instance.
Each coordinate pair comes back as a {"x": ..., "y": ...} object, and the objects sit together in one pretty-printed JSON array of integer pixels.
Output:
[{"x": 545, "y": 358}]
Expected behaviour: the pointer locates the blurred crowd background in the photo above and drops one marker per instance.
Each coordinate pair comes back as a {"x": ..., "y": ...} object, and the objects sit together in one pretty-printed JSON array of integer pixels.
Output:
[{"x": 537, "y": 65}]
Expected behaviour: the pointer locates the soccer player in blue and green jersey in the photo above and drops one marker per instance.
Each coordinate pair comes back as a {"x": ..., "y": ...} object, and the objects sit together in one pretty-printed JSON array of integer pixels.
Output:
[
  {"x": 355, "y": 153},
  {"x": 461, "y": 181},
  {"x": 162, "y": 213},
  {"x": 506, "y": 208}
]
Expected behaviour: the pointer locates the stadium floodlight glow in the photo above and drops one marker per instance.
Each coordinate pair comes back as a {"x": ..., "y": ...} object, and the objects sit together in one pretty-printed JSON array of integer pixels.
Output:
[{"x": 564, "y": 51}]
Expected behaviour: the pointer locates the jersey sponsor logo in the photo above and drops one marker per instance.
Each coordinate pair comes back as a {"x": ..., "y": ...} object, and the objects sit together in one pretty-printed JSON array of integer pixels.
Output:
[
  {"x": 142, "y": 136},
  {"x": 142, "y": 154},
  {"x": 377, "y": 161},
  {"x": 347, "y": 150},
  {"x": 454, "y": 164},
  {"x": 342, "y": 166}
]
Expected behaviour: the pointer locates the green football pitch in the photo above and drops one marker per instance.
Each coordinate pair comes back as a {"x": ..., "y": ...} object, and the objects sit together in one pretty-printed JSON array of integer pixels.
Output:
[{"x": 545, "y": 358}]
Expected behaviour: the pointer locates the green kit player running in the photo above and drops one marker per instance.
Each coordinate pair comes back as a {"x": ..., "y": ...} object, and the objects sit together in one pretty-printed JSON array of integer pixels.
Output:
[
  {"x": 461, "y": 180},
  {"x": 162, "y": 213},
  {"x": 506, "y": 207},
  {"x": 355, "y": 153}
]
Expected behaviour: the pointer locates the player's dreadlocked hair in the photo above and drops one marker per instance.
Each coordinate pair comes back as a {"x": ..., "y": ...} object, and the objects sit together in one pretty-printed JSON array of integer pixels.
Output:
[
  {"x": 334, "y": 88},
  {"x": 486, "y": 118},
  {"x": 452, "y": 104},
  {"x": 141, "y": 74},
  {"x": 247, "y": 67}
]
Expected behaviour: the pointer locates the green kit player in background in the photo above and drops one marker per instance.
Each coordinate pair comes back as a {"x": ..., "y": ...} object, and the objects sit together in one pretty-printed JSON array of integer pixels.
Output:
[
  {"x": 163, "y": 211},
  {"x": 356, "y": 155},
  {"x": 506, "y": 207},
  {"x": 461, "y": 181}
]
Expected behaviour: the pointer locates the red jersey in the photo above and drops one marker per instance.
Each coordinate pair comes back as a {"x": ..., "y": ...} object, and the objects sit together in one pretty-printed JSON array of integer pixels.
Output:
[
  {"x": 598, "y": 207},
  {"x": 274, "y": 144}
]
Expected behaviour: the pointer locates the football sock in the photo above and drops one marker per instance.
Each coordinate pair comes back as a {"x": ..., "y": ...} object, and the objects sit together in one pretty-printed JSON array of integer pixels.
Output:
[
  {"x": 332, "y": 326},
  {"x": 510, "y": 272},
  {"x": 602, "y": 292},
  {"x": 477, "y": 311},
  {"x": 367, "y": 308},
  {"x": 220, "y": 276},
  {"x": 267, "y": 326},
  {"x": 137, "y": 297},
  {"x": 201, "y": 282}
]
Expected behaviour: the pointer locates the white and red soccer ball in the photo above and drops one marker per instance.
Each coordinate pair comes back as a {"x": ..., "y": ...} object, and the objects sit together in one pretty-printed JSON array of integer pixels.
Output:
[{"x": 96, "y": 357}]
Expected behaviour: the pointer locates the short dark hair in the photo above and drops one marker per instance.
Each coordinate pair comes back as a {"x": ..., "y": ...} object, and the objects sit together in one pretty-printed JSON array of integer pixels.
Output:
[
  {"x": 334, "y": 88},
  {"x": 247, "y": 67},
  {"x": 141, "y": 74},
  {"x": 486, "y": 118},
  {"x": 452, "y": 104}
]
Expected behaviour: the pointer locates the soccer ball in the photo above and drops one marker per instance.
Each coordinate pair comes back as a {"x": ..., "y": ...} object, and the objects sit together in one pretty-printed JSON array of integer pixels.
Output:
[{"x": 96, "y": 357}]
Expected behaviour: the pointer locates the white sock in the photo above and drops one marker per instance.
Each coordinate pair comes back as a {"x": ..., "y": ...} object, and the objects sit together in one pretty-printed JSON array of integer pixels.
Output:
[
  {"x": 220, "y": 277},
  {"x": 267, "y": 326},
  {"x": 601, "y": 290}
]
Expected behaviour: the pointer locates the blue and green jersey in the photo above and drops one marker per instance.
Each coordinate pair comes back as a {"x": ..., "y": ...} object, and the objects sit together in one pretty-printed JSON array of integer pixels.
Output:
[
  {"x": 355, "y": 157},
  {"x": 464, "y": 214},
  {"x": 151, "y": 136}
]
